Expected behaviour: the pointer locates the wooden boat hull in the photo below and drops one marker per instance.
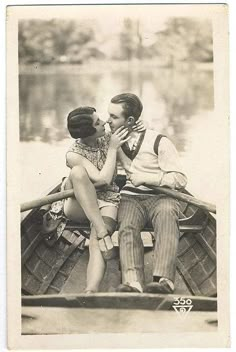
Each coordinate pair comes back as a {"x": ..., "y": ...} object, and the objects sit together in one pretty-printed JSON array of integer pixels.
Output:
[
  {"x": 117, "y": 313},
  {"x": 61, "y": 268}
]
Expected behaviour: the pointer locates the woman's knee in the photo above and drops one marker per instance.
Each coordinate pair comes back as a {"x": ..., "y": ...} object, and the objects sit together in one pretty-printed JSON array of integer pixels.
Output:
[{"x": 78, "y": 173}]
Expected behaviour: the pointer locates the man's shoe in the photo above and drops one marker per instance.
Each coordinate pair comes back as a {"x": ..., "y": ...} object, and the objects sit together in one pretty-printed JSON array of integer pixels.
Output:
[
  {"x": 158, "y": 287},
  {"x": 127, "y": 288}
]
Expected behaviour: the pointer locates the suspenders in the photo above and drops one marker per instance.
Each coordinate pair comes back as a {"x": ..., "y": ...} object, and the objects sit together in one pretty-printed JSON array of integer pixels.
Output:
[
  {"x": 157, "y": 142},
  {"x": 132, "y": 154}
]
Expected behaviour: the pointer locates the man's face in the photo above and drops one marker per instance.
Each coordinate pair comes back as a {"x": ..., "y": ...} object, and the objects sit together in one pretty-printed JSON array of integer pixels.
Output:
[{"x": 116, "y": 117}]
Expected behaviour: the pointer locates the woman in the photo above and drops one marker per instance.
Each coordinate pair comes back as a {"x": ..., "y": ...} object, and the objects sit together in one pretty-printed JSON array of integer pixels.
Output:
[{"x": 92, "y": 160}]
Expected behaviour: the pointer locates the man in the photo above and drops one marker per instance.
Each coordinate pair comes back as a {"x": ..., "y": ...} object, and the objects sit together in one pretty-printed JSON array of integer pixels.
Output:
[{"x": 153, "y": 161}]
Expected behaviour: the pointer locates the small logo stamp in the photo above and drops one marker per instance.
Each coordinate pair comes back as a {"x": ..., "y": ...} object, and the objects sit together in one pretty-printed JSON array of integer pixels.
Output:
[{"x": 182, "y": 306}]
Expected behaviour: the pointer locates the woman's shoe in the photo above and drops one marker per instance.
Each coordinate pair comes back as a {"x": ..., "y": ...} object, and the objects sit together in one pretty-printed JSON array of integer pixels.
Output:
[{"x": 106, "y": 246}]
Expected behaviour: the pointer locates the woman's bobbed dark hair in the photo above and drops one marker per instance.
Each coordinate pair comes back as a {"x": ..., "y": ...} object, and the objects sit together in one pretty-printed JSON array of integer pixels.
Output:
[{"x": 80, "y": 122}]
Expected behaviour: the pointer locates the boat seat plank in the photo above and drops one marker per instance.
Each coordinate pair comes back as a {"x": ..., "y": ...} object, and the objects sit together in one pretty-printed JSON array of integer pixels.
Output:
[
  {"x": 183, "y": 228},
  {"x": 193, "y": 223},
  {"x": 187, "y": 225}
]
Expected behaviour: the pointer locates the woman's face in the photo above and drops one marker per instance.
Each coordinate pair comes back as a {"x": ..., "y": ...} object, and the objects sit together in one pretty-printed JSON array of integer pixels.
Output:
[{"x": 99, "y": 125}]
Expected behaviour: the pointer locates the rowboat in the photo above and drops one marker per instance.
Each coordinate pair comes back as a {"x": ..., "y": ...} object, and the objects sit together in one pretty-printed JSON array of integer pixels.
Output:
[{"x": 54, "y": 270}]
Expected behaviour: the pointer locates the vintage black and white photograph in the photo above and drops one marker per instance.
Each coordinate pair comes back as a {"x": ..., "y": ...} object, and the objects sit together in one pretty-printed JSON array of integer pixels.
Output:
[{"x": 118, "y": 175}]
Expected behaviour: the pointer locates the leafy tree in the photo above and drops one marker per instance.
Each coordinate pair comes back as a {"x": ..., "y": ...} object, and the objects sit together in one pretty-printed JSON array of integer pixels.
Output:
[
  {"x": 131, "y": 40},
  {"x": 184, "y": 39},
  {"x": 46, "y": 41}
]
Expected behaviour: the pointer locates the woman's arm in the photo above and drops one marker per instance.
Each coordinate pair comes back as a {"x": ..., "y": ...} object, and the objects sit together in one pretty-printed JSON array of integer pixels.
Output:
[
  {"x": 73, "y": 159},
  {"x": 104, "y": 176}
]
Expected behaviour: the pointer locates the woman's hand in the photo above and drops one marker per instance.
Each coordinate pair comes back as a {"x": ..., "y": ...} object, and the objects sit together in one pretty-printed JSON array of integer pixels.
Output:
[
  {"x": 119, "y": 137},
  {"x": 139, "y": 126}
]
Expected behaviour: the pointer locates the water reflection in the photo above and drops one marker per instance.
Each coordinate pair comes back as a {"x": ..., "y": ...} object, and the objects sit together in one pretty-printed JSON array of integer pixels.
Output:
[{"x": 170, "y": 98}]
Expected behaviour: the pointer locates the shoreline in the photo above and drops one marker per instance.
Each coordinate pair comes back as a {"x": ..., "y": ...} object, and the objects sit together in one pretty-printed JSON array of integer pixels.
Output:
[{"x": 106, "y": 66}]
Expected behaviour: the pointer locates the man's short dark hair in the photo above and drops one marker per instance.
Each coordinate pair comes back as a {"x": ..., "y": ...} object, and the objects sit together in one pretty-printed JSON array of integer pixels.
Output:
[
  {"x": 131, "y": 104},
  {"x": 80, "y": 122}
]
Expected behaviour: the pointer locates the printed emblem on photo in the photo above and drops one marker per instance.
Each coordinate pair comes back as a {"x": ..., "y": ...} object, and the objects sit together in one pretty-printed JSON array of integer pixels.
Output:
[{"x": 182, "y": 306}]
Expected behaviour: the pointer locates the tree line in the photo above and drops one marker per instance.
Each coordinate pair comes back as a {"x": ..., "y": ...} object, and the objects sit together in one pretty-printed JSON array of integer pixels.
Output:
[{"x": 70, "y": 41}]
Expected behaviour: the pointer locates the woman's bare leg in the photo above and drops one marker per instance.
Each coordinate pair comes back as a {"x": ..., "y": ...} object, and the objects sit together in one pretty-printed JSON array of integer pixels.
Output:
[
  {"x": 86, "y": 198},
  {"x": 96, "y": 265}
]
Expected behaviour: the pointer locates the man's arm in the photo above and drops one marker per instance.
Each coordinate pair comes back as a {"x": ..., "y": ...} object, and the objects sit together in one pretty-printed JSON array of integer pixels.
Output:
[
  {"x": 169, "y": 161},
  {"x": 170, "y": 173},
  {"x": 174, "y": 180}
]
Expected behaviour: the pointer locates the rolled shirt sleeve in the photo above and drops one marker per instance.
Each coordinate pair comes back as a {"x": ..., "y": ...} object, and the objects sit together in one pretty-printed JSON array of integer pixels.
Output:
[{"x": 172, "y": 172}]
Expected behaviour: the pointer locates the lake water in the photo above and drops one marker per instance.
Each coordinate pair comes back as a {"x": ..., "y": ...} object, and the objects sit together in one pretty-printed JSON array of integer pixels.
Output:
[{"x": 178, "y": 103}]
